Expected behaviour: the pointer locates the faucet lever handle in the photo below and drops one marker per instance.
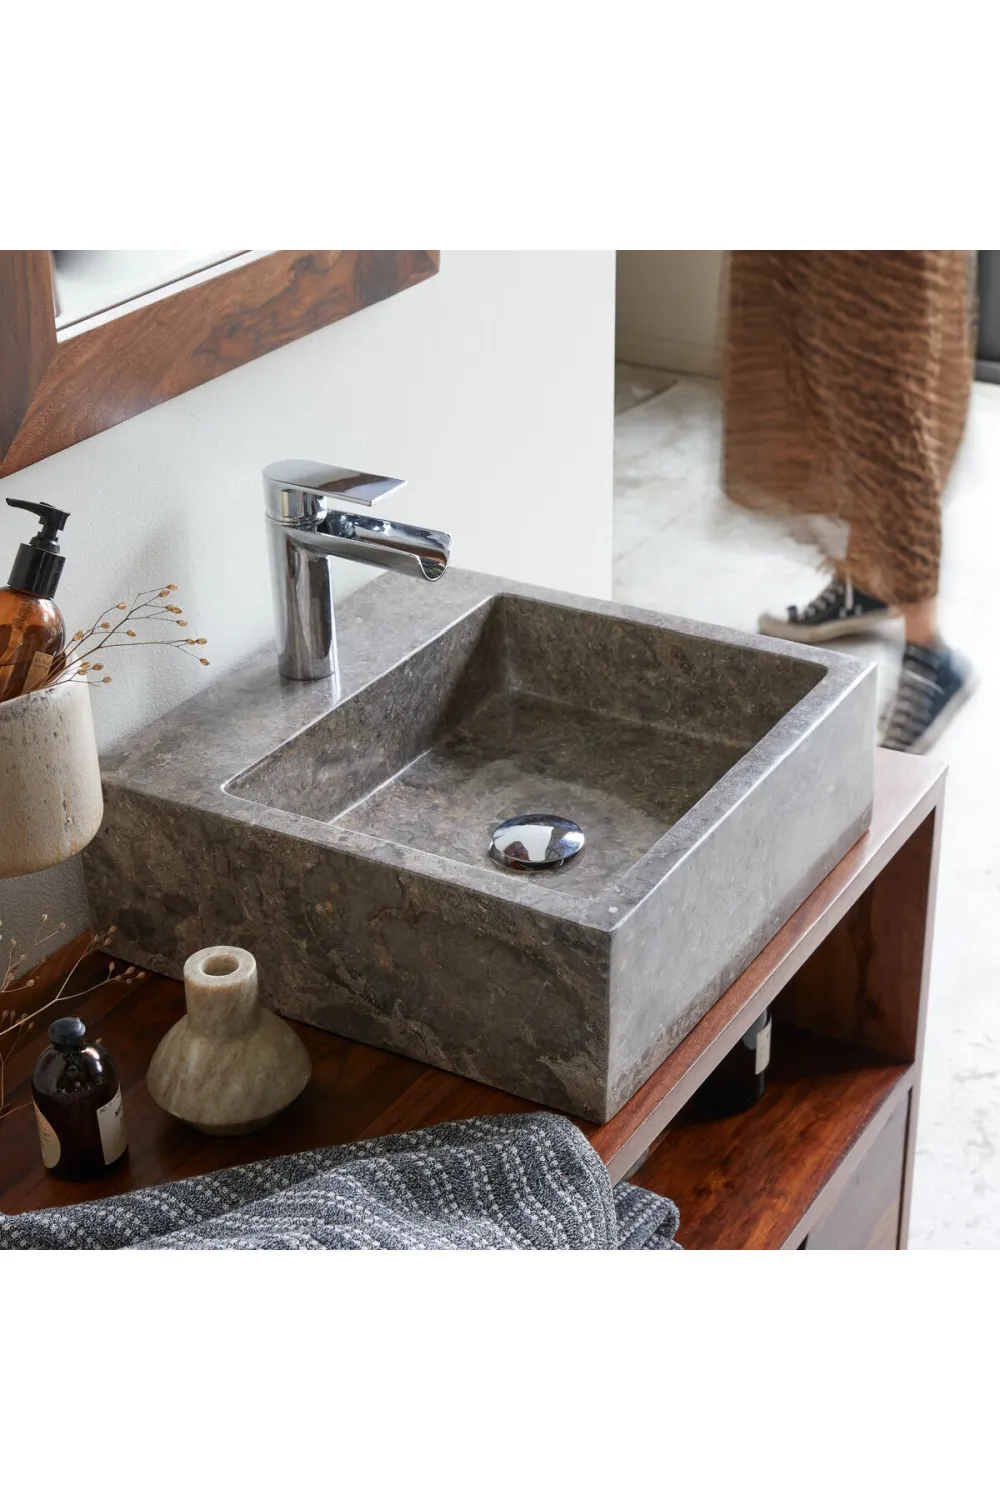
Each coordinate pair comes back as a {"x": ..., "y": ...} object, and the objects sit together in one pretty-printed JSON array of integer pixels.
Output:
[{"x": 297, "y": 488}]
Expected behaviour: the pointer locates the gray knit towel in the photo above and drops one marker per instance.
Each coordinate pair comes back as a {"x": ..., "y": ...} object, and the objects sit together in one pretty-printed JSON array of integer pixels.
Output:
[{"x": 506, "y": 1182}]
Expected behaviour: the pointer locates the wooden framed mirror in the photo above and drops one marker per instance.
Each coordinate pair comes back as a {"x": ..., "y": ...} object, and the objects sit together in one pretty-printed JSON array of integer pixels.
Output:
[{"x": 74, "y": 362}]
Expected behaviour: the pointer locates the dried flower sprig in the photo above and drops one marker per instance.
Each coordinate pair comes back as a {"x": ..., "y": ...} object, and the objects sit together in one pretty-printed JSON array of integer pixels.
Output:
[
  {"x": 116, "y": 627},
  {"x": 14, "y": 1026}
]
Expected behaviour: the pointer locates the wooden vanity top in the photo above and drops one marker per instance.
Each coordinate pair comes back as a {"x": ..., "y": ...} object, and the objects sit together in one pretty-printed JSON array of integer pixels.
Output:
[{"x": 358, "y": 1091}]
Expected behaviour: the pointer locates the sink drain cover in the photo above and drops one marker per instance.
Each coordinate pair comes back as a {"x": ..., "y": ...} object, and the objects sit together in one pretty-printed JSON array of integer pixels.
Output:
[{"x": 536, "y": 841}]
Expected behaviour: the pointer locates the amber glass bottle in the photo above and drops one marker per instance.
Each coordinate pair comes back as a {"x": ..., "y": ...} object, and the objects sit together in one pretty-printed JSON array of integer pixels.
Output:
[
  {"x": 32, "y": 629},
  {"x": 78, "y": 1104}
]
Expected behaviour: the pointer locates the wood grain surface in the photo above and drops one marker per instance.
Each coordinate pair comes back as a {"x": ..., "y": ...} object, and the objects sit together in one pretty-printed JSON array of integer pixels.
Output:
[
  {"x": 54, "y": 393},
  {"x": 749, "y": 1181},
  {"x": 355, "y": 1092},
  {"x": 866, "y": 1215}
]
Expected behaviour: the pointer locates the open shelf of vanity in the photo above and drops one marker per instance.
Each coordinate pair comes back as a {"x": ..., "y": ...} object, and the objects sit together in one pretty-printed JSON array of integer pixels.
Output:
[{"x": 823, "y": 1161}]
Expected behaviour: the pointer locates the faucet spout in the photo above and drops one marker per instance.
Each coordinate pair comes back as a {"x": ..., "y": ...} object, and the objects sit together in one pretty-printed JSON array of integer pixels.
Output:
[
  {"x": 383, "y": 544},
  {"x": 306, "y": 527}
]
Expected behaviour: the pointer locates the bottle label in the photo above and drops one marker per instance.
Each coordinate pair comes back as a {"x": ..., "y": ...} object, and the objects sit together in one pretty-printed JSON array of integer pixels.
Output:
[
  {"x": 41, "y": 665},
  {"x": 51, "y": 1149},
  {"x": 763, "y": 1048},
  {"x": 111, "y": 1122}
]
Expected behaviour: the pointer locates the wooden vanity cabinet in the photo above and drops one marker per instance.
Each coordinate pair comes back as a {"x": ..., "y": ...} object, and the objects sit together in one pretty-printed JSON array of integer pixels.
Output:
[
  {"x": 866, "y": 1216},
  {"x": 824, "y": 1161}
]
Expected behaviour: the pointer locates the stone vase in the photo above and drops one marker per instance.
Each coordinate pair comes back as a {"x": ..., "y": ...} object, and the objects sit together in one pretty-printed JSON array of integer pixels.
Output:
[
  {"x": 51, "y": 803},
  {"x": 229, "y": 1066}
]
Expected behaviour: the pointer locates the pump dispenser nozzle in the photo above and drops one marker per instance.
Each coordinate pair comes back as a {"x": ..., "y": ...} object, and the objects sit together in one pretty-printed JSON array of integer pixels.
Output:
[{"x": 38, "y": 563}]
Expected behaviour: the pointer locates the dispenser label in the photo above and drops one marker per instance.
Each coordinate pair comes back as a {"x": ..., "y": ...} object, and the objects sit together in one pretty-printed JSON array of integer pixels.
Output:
[
  {"x": 41, "y": 665},
  {"x": 763, "y": 1048},
  {"x": 111, "y": 1122},
  {"x": 51, "y": 1149}
]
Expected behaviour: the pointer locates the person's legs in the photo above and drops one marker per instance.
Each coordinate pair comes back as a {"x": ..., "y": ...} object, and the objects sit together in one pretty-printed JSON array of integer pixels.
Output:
[
  {"x": 879, "y": 343},
  {"x": 934, "y": 682},
  {"x": 839, "y": 609},
  {"x": 921, "y": 622}
]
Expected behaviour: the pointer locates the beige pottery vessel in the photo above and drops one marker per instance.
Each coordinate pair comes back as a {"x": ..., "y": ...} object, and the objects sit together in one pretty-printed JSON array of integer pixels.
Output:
[
  {"x": 51, "y": 802},
  {"x": 229, "y": 1066}
]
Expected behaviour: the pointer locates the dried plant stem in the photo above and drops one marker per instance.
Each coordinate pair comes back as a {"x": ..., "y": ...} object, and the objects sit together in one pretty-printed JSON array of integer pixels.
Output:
[
  {"x": 107, "y": 631},
  {"x": 106, "y": 634}
]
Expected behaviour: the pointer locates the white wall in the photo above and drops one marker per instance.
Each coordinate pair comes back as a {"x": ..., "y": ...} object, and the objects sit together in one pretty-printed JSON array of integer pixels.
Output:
[
  {"x": 669, "y": 309},
  {"x": 489, "y": 388}
]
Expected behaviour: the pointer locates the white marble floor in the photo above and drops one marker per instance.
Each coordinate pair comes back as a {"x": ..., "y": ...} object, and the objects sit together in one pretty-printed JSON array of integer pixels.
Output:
[{"x": 681, "y": 546}]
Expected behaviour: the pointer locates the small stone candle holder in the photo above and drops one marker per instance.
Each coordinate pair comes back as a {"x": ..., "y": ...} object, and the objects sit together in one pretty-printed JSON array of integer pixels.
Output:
[{"x": 228, "y": 1066}]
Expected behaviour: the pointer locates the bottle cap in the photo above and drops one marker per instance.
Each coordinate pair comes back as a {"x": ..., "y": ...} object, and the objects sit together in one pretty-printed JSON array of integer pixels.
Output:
[
  {"x": 38, "y": 563},
  {"x": 67, "y": 1033}
]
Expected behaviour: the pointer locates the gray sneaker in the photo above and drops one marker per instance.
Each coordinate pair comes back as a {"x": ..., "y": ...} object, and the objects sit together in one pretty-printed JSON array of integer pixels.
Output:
[{"x": 840, "y": 609}]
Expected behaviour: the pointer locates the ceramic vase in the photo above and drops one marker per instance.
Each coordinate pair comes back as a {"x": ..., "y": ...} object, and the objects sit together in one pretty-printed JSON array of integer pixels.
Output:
[
  {"x": 51, "y": 803},
  {"x": 228, "y": 1066}
]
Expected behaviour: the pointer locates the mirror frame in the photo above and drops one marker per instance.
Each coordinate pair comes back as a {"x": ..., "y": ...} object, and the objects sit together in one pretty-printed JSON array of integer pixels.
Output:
[{"x": 55, "y": 392}]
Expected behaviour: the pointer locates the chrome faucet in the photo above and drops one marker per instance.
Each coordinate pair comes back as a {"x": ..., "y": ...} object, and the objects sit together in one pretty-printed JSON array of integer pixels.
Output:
[{"x": 306, "y": 527}]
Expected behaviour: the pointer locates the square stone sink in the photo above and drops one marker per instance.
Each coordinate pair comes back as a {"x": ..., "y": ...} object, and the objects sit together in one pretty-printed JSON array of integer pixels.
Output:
[{"x": 717, "y": 778}]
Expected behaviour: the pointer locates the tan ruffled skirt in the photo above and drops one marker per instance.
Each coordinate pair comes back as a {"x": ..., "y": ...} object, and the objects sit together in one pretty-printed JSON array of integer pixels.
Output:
[{"x": 847, "y": 385}]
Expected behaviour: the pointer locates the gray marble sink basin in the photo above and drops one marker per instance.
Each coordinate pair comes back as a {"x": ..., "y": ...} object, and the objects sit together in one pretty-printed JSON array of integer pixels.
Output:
[{"x": 717, "y": 776}]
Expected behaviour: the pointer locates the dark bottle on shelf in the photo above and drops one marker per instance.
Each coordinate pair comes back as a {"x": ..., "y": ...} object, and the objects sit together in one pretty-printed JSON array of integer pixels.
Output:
[
  {"x": 78, "y": 1104},
  {"x": 739, "y": 1080}
]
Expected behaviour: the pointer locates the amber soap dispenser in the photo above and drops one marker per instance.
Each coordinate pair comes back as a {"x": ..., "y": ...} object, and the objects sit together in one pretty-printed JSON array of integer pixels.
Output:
[{"x": 32, "y": 629}]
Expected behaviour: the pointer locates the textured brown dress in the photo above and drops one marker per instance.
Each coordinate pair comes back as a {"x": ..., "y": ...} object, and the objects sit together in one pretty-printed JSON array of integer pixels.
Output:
[{"x": 847, "y": 384}]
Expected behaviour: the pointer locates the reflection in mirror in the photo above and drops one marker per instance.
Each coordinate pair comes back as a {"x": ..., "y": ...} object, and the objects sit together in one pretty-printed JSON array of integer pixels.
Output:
[{"x": 91, "y": 286}]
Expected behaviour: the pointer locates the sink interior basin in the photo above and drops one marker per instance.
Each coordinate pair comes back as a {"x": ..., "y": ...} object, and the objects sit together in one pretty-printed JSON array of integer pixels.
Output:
[
  {"x": 345, "y": 840},
  {"x": 526, "y": 706}
]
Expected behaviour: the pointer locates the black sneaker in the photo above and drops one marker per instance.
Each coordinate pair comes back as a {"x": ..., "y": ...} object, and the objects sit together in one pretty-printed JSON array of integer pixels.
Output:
[
  {"x": 933, "y": 685},
  {"x": 840, "y": 609}
]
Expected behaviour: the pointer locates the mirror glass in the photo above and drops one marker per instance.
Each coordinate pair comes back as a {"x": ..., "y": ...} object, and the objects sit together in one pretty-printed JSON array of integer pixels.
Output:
[{"x": 91, "y": 286}]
